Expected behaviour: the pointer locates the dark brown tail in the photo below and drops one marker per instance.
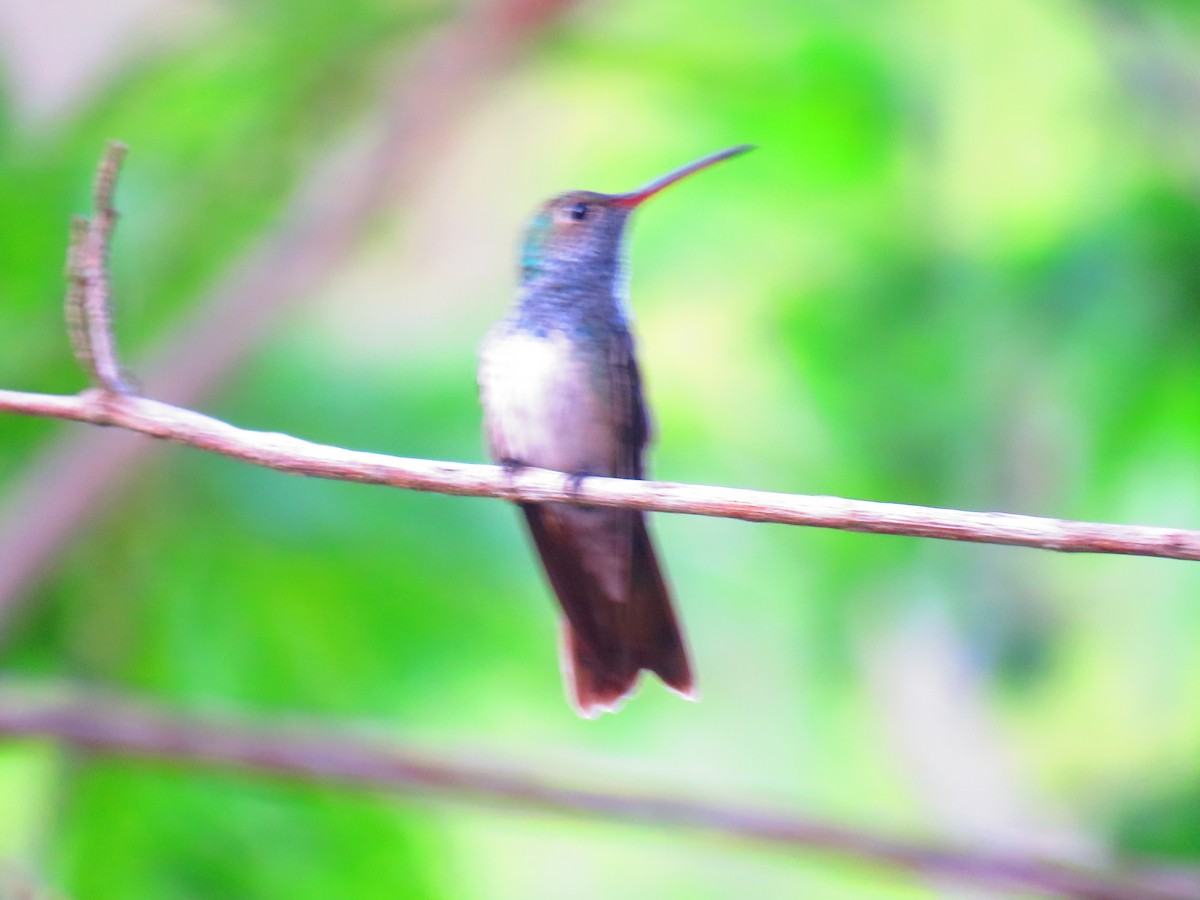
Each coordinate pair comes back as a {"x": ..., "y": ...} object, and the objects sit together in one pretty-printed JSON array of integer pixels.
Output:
[{"x": 606, "y": 643}]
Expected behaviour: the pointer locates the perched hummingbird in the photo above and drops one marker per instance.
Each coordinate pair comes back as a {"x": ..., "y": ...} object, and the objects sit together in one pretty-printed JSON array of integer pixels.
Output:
[{"x": 558, "y": 380}]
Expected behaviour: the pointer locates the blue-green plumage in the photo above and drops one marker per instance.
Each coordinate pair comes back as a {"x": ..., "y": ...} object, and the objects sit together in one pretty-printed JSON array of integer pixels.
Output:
[{"x": 560, "y": 390}]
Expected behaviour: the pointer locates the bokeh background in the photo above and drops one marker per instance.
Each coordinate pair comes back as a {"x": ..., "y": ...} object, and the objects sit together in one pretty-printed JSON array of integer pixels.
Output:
[{"x": 963, "y": 269}]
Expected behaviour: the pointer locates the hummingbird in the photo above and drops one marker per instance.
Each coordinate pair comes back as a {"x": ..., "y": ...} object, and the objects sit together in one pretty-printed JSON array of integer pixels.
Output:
[{"x": 560, "y": 389}]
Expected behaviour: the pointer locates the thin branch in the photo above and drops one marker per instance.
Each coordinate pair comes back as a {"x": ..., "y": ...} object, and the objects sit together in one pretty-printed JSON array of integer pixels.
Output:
[
  {"x": 300, "y": 457},
  {"x": 88, "y": 307},
  {"x": 123, "y": 727},
  {"x": 97, "y": 303},
  {"x": 81, "y": 342},
  {"x": 429, "y": 92}
]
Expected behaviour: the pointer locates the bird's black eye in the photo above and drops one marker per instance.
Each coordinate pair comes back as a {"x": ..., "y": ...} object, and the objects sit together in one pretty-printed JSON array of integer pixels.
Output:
[{"x": 579, "y": 212}]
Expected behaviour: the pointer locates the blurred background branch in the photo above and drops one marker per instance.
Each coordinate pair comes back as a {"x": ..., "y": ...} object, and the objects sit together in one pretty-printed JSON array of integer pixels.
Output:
[{"x": 120, "y": 726}]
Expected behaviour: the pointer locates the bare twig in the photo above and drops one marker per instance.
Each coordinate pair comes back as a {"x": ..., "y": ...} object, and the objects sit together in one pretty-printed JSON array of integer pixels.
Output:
[
  {"x": 127, "y": 728},
  {"x": 300, "y": 457},
  {"x": 89, "y": 311},
  {"x": 81, "y": 343},
  {"x": 438, "y": 81}
]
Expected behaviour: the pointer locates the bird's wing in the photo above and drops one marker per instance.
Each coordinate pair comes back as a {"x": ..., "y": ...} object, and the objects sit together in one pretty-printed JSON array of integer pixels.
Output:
[{"x": 629, "y": 408}]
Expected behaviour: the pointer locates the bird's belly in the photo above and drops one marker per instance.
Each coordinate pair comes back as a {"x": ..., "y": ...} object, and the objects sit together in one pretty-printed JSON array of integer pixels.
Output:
[{"x": 544, "y": 405}]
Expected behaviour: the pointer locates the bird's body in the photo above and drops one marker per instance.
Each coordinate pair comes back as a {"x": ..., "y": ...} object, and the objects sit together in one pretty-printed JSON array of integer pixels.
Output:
[{"x": 560, "y": 390}]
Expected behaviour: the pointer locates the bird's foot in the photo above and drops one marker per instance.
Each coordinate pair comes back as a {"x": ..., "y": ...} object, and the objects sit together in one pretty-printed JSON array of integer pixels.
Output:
[
  {"x": 575, "y": 482},
  {"x": 510, "y": 467}
]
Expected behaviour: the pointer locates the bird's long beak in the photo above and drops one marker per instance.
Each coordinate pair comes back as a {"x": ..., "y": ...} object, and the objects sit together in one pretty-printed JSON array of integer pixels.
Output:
[{"x": 646, "y": 191}]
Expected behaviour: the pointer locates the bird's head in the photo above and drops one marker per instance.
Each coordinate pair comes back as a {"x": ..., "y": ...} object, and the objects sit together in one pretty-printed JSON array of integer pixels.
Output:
[{"x": 584, "y": 228}]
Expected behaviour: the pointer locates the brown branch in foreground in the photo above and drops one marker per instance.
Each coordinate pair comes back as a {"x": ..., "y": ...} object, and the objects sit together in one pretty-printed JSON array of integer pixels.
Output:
[
  {"x": 300, "y": 457},
  {"x": 127, "y": 728},
  {"x": 433, "y": 87}
]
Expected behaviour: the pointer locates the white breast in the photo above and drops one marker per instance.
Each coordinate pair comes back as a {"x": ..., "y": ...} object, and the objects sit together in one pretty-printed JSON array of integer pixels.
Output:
[{"x": 542, "y": 406}]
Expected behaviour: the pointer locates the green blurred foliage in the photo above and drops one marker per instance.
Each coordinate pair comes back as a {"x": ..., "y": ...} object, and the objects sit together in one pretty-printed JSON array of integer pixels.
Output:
[{"x": 963, "y": 270}]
